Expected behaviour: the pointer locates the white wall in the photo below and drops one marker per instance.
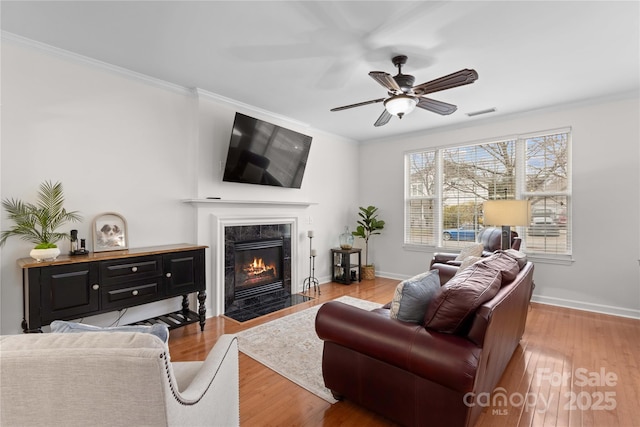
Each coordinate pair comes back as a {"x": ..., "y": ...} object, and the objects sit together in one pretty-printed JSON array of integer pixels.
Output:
[
  {"x": 605, "y": 273},
  {"x": 120, "y": 142}
]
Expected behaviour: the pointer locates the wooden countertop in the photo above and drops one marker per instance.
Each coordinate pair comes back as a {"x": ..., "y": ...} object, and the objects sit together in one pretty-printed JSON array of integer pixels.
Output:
[{"x": 100, "y": 256}]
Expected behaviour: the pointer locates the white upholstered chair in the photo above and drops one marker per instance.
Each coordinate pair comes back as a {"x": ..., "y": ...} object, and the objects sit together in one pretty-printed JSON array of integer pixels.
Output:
[{"x": 114, "y": 379}]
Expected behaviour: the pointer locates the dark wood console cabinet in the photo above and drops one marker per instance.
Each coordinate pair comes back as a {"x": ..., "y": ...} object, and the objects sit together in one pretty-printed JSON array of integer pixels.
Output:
[{"x": 72, "y": 287}]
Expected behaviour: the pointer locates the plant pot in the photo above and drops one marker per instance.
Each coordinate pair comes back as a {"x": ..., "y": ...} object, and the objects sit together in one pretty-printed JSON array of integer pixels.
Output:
[
  {"x": 368, "y": 272},
  {"x": 49, "y": 254}
]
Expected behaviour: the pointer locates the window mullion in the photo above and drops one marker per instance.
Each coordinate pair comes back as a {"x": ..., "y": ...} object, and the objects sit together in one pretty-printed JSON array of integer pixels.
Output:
[
  {"x": 521, "y": 168},
  {"x": 438, "y": 197}
]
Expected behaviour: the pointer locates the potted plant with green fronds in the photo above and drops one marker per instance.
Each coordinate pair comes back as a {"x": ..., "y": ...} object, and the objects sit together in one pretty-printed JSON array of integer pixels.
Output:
[
  {"x": 38, "y": 223},
  {"x": 368, "y": 225}
]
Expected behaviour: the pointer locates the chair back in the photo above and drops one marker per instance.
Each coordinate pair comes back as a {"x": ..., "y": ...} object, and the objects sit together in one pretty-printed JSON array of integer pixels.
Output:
[
  {"x": 491, "y": 239},
  {"x": 83, "y": 379}
]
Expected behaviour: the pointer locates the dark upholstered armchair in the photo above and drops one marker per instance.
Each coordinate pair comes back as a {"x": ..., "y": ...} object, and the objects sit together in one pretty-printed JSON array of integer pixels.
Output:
[{"x": 491, "y": 239}]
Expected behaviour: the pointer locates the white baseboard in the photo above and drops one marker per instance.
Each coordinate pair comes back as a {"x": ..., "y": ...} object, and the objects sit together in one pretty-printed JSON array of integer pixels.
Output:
[{"x": 587, "y": 306}]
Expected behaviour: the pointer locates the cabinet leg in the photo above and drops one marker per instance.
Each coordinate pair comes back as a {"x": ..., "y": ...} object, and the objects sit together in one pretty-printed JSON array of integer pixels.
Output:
[
  {"x": 185, "y": 303},
  {"x": 202, "y": 310},
  {"x": 26, "y": 330}
]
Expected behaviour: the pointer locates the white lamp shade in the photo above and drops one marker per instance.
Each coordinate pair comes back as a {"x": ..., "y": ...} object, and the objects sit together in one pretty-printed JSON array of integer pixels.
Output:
[
  {"x": 400, "y": 105},
  {"x": 507, "y": 212}
]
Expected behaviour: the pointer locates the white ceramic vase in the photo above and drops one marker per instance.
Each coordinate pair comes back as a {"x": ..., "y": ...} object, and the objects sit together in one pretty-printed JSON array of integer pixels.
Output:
[{"x": 49, "y": 254}]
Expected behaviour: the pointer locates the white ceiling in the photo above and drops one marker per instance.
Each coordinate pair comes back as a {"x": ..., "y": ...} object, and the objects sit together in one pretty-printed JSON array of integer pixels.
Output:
[{"x": 299, "y": 59}]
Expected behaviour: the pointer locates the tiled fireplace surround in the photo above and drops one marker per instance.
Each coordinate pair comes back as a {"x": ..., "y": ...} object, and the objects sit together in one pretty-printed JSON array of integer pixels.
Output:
[
  {"x": 247, "y": 219},
  {"x": 240, "y": 233}
]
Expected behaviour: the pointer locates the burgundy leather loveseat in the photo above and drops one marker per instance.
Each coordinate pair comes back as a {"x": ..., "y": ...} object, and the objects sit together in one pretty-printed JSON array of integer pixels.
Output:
[{"x": 415, "y": 375}]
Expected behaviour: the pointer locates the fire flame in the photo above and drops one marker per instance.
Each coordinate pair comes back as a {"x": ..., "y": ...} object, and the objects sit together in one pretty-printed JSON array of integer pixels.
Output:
[{"x": 258, "y": 267}]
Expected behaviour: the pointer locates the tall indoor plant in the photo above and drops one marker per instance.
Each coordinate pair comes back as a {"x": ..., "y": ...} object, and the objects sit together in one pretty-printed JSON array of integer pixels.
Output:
[
  {"x": 38, "y": 223},
  {"x": 368, "y": 225}
]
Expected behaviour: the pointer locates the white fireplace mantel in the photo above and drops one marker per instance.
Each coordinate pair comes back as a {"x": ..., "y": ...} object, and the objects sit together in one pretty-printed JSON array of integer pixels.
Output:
[
  {"x": 248, "y": 203},
  {"x": 213, "y": 215}
]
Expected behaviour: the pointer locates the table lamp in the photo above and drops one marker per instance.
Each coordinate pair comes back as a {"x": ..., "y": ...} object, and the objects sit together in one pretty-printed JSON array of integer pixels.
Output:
[{"x": 506, "y": 213}]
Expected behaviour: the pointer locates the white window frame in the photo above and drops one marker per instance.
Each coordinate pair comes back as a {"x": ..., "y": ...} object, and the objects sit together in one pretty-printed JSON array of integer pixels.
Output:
[{"x": 520, "y": 193}]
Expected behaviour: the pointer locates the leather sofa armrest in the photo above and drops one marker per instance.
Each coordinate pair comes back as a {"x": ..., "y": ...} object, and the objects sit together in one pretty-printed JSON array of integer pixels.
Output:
[
  {"x": 446, "y": 359},
  {"x": 442, "y": 257},
  {"x": 445, "y": 271}
]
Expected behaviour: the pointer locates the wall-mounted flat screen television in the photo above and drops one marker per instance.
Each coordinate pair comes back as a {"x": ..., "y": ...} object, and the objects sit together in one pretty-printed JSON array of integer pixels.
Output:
[{"x": 266, "y": 154}]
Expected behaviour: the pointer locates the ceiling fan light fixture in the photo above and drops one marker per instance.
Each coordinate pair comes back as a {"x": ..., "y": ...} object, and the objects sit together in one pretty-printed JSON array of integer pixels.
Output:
[{"x": 399, "y": 105}]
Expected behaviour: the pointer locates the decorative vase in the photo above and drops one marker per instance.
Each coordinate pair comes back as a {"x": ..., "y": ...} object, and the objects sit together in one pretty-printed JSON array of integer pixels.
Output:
[
  {"x": 368, "y": 272},
  {"x": 49, "y": 254},
  {"x": 346, "y": 239}
]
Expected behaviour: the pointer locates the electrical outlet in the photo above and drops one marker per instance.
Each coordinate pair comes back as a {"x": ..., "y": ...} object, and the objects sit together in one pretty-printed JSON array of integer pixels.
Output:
[{"x": 310, "y": 220}]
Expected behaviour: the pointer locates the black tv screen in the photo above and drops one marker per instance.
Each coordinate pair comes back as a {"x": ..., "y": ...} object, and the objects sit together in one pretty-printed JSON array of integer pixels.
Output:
[{"x": 266, "y": 154}]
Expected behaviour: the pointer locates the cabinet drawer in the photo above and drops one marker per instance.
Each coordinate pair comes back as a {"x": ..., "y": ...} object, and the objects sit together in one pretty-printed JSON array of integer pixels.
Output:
[
  {"x": 130, "y": 270},
  {"x": 127, "y": 295}
]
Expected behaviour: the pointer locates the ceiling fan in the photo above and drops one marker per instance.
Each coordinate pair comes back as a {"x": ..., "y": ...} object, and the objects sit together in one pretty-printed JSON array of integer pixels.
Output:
[{"x": 404, "y": 97}]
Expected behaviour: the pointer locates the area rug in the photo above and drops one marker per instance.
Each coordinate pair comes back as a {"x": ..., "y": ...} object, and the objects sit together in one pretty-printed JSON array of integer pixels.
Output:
[{"x": 290, "y": 346}]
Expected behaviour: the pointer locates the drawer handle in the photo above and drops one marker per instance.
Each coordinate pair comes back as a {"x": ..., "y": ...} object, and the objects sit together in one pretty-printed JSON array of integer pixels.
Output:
[
  {"x": 168, "y": 274},
  {"x": 134, "y": 269},
  {"x": 95, "y": 287},
  {"x": 135, "y": 292}
]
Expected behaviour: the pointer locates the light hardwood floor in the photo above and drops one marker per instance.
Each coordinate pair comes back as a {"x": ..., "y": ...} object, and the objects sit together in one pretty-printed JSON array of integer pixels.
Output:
[{"x": 562, "y": 374}]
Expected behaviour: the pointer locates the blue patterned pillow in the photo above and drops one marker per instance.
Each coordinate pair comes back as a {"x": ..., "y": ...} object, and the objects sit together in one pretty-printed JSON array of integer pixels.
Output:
[
  {"x": 159, "y": 330},
  {"x": 413, "y": 295}
]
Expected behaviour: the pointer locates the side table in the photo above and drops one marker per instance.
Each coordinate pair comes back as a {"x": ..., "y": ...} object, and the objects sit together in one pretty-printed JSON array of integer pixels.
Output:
[{"x": 343, "y": 270}]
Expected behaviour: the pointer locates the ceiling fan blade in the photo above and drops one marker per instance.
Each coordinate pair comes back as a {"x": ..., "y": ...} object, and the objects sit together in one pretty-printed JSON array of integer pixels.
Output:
[
  {"x": 383, "y": 119},
  {"x": 359, "y": 104},
  {"x": 436, "y": 106},
  {"x": 386, "y": 80},
  {"x": 459, "y": 78}
]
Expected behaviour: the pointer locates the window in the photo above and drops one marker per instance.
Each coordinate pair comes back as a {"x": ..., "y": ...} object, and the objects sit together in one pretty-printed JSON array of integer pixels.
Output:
[{"x": 446, "y": 189}]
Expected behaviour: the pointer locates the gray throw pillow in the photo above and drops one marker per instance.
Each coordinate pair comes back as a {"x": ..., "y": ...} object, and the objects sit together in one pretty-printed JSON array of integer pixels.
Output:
[
  {"x": 412, "y": 296},
  {"x": 159, "y": 330}
]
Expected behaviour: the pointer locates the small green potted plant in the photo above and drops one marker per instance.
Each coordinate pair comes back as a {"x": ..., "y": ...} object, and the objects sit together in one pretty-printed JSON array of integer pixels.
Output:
[
  {"x": 37, "y": 223},
  {"x": 368, "y": 225}
]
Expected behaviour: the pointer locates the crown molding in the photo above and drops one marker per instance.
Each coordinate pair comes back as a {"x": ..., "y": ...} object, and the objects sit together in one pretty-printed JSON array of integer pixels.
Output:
[
  {"x": 105, "y": 66},
  {"x": 232, "y": 102},
  {"x": 94, "y": 63}
]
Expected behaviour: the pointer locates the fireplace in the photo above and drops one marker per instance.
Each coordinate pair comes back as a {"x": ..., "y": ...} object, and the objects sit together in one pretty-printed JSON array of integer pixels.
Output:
[
  {"x": 257, "y": 261},
  {"x": 258, "y": 267},
  {"x": 221, "y": 222}
]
